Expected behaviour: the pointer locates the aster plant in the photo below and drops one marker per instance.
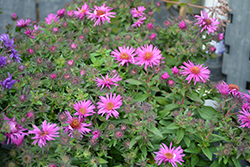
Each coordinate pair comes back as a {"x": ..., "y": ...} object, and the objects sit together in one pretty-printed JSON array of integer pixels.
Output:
[{"x": 94, "y": 85}]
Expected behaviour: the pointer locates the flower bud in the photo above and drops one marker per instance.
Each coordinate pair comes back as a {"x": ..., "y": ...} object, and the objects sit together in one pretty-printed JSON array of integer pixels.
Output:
[
  {"x": 153, "y": 36},
  {"x": 165, "y": 76},
  {"x": 221, "y": 36},
  {"x": 212, "y": 49},
  {"x": 182, "y": 24},
  {"x": 171, "y": 83},
  {"x": 20, "y": 67},
  {"x": 73, "y": 46},
  {"x": 150, "y": 26},
  {"x": 53, "y": 76},
  {"x": 158, "y": 4},
  {"x": 30, "y": 51},
  {"x": 14, "y": 17}
]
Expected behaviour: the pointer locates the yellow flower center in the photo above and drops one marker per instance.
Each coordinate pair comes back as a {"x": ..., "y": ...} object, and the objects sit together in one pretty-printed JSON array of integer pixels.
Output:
[
  {"x": 124, "y": 56},
  {"x": 233, "y": 86},
  {"x": 195, "y": 70},
  {"x": 148, "y": 55},
  {"x": 75, "y": 123},
  {"x": 43, "y": 133},
  {"x": 82, "y": 110},
  {"x": 82, "y": 11},
  {"x": 110, "y": 105},
  {"x": 100, "y": 12},
  {"x": 169, "y": 155}
]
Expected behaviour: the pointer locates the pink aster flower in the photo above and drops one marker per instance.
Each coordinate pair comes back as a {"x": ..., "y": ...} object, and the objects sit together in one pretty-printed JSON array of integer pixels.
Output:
[
  {"x": 46, "y": 134},
  {"x": 139, "y": 12},
  {"x": 84, "y": 108},
  {"x": 223, "y": 88},
  {"x": 70, "y": 13},
  {"x": 139, "y": 22},
  {"x": 22, "y": 23},
  {"x": 207, "y": 23},
  {"x": 61, "y": 12},
  {"x": 101, "y": 14},
  {"x": 51, "y": 17},
  {"x": 148, "y": 55},
  {"x": 172, "y": 155},
  {"x": 195, "y": 72},
  {"x": 109, "y": 105},
  {"x": 16, "y": 131},
  {"x": 82, "y": 12},
  {"x": 107, "y": 81},
  {"x": 244, "y": 118},
  {"x": 125, "y": 55},
  {"x": 76, "y": 124},
  {"x": 234, "y": 90}
]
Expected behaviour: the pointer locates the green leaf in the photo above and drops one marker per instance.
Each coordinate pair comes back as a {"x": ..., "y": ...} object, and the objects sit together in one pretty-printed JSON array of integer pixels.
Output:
[
  {"x": 215, "y": 164},
  {"x": 144, "y": 150},
  {"x": 180, "y": 135},
  {"x": 194, "y": 160},
  {"x": 164, "y": 113},
  {"x": 236, "y": 162},
  {"x": 194, "y": 1},
  {"x": 132, "y": 143},
  {"x": 171, "y": 4},
  {"x": 115, "y": 30},
  {"x": 193, "y": 150},
  {"x": 102, "y": 161},
  {"x": 207, "y": 152},
  {"x": 171, "y": 106},
  {"x": 172, "y": 126},
  {"x": 140, "y": 97},
  {"x": 187, "y": 141},
  {"x": 195, "y": 97},
  {"x": 207, "y": 112},
  {"x": 155, "y": 131},
  {"x": 133, "y": 82},
  {"x": 161, "y": 100}
]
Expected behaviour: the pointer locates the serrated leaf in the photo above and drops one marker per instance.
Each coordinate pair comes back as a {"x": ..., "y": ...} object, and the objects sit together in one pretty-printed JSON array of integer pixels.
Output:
[
  {"x": 208, "y": 153},
  {"x": 180, "y": 135},
  {"x": 133, "y": 82},
  {"x": 155, "y": 131},
  {"x": 194, "y": 160}
]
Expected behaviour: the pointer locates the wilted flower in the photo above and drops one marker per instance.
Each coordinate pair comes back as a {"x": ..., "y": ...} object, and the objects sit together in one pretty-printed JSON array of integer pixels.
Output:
[
  {"x": 2, "y": 61},
  {"x": 138, "y": 22},
  {"x": 107, "y": 81},
  {"x": 207, "y": 23}
]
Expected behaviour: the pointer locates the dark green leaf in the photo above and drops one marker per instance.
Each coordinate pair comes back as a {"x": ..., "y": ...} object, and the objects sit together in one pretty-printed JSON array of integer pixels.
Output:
[
  {"x": 102, "y": 161},
  {"x": 187, "y": 141},
  {"x": 207, "y": 152},
  {"x": 194, "y": 160},
  {"x": 144, "y": 150},
  {"x": 180, "y": 135},
  {"x": 207, "y": 112},
  {"x": 140, "y": 97},
  {"x": 164, "y": 113},
  {"x": 172, "y": 126},
  {"x": 132, "y": 142},
  {"x": 161, "y": 100},
  {"x": 236, "y": 162},
  {"x": 195, "y": 97},
  {"x": 155, "y": 131},
  {"x": 133, "y": 82},
  {"x": 192, "y": 150}
]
